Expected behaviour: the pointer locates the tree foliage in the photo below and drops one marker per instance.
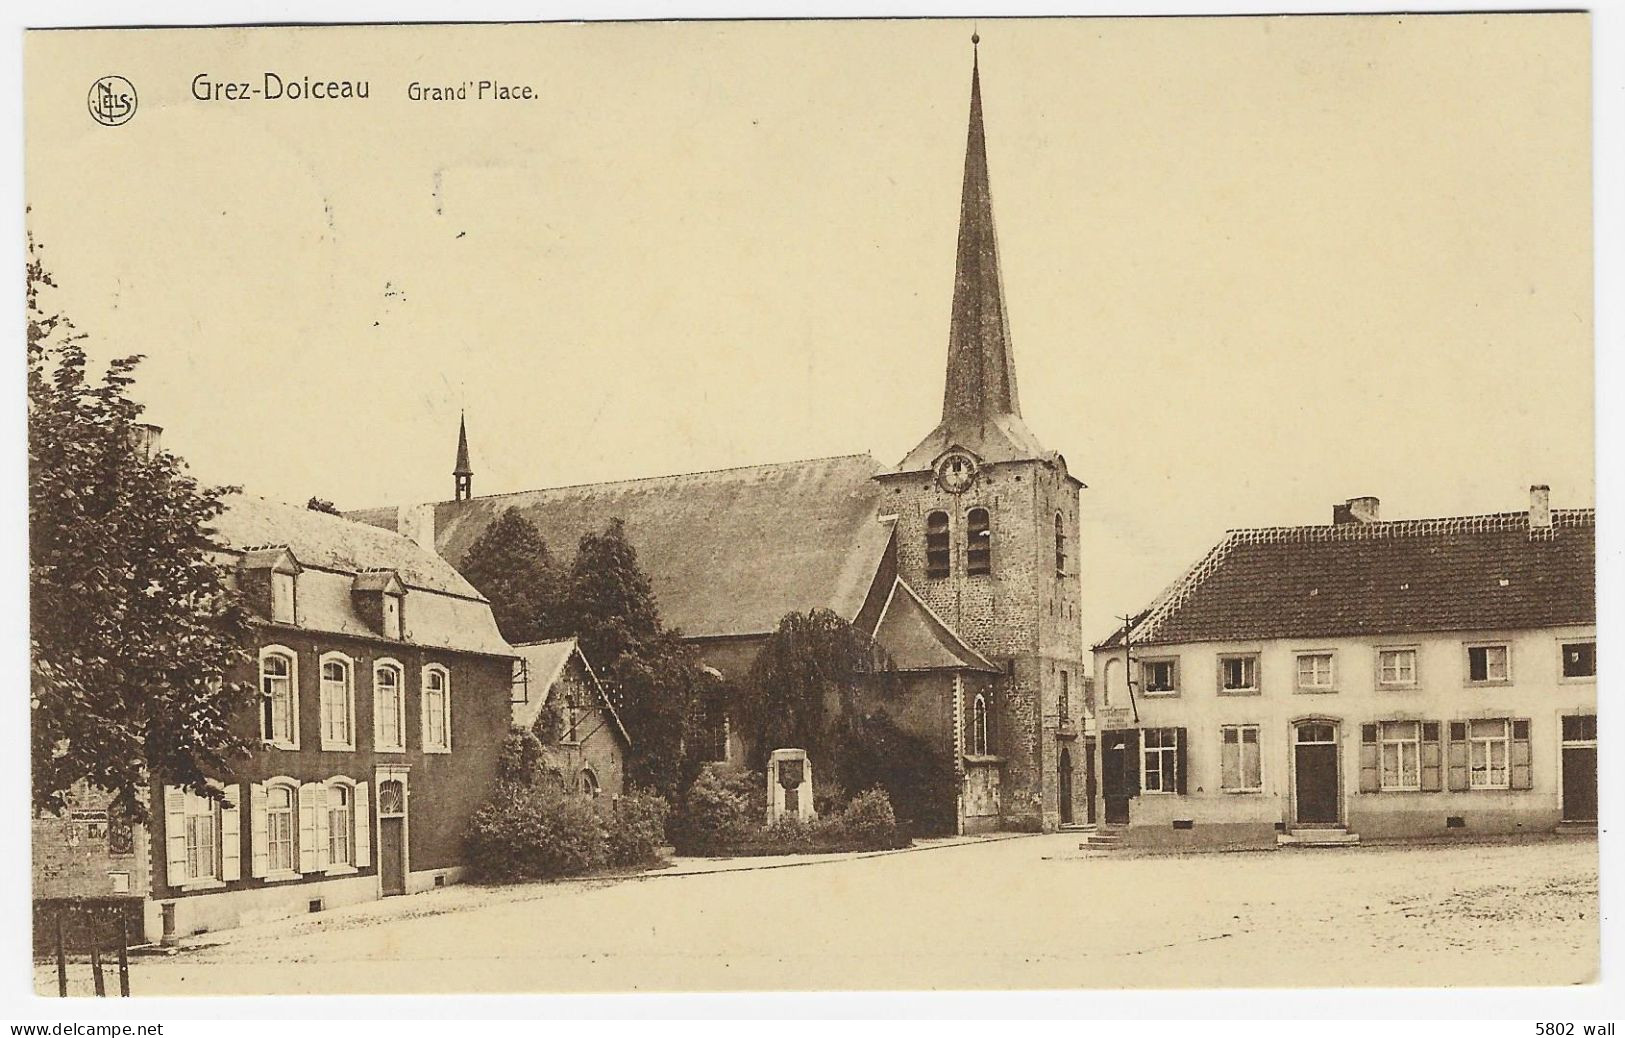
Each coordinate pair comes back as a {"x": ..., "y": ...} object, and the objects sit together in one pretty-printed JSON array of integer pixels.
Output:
[
  {"x": 131, "y": 625},
  {"x": 510, "y": 565},
  {"x": 802, "y": 679}
]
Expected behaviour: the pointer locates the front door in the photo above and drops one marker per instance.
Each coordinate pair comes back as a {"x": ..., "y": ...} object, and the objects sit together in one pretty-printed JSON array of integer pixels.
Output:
[
  {"x": 1089, "y": 781},
  {"x": 1580, "y": 768},
  {"x": 1315, "y": 770},
  {"x": 392, "y": 855},
  {"x": 1065, "y": 786},
  {"x": 392, "y": 848},
  {"x": 1119, "y": 773}
]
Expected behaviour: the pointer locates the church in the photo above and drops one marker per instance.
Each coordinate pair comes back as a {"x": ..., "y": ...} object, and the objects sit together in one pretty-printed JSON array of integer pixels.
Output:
[{"x": 960, "y": 562}]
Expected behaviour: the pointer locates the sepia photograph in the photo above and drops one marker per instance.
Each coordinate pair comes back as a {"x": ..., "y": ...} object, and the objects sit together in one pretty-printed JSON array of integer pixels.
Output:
[{"x": 934, "y": 504}]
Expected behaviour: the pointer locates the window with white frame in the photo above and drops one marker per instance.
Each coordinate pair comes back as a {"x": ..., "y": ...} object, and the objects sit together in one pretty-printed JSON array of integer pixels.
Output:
[
  {"x": 280, "y": 825},
  {"x": 436, "y": 709},
  {"x": 1241, "y": 768},
  {"x": 338, "y": 702},
  {"x": 1488, "y": 748},
  {"x": 202, "y": 820},
  {"x": 1579, "y": 659},
  {"x": 1159, "y": 677},
  {"x": 1489, "y": 664},
  {"x": 389, "y": 706},
  {"x": 282, "y": 597},
  {"x": 1160, "y": 754},
  {"x": 978, "y": 727},
  {"x": 1315, "y": 672},
  {"x": 1238, "y": 672},
  {"x": 1396, "y": 667},
  {"x": 279, "y": 723},
  {"x": 1399, "y": 755},
  {"x": 340, "y": 824}
]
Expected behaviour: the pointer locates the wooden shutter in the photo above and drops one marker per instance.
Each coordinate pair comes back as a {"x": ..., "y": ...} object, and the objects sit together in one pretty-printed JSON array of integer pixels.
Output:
[
  {"x": 1458, "y": 756},
  {"x": 1370, "y": 760},
  {"x": 318, "y": 794},
  {"x": 1432, "y": 755},
  {"x": 1520, "y": 774},
  {"x": 175, "y": 834},
  {"x": 1179, "y": 761},
  {"x": 231, "y": 835},
  {"x": 307, "y": 828},
  {"x": 361, "y": 810},
  {"x": 259, "y": 844}
]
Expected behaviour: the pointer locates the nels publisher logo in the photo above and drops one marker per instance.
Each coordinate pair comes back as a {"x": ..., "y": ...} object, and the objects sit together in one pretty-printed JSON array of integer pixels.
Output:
[{"x": 112, "y": 100}]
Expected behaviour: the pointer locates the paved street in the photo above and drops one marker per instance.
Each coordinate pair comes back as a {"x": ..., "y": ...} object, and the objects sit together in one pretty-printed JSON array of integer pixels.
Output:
[{"x": 1031, "y": 912}]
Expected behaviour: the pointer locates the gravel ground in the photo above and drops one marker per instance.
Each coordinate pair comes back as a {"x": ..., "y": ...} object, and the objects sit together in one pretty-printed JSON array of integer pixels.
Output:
[{"x": 1033, "y": 912}]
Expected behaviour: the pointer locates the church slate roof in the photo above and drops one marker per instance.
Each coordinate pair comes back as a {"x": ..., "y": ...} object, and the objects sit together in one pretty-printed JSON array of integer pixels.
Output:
[
  {"x": 728, "y": 552},
  {"x": 915, "y": 638},
  {"x": 1485, "y": 572}
]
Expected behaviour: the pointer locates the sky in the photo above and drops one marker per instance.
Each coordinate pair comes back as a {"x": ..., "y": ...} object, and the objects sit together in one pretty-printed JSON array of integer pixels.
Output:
[{"x": 1253, "y": 266}]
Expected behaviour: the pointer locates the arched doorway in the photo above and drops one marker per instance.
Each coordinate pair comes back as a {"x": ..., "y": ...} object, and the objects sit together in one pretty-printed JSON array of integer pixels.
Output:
[{"x": 1065, "y": 786}]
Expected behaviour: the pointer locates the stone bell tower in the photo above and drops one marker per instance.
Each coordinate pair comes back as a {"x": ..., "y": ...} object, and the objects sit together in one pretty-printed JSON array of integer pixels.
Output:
[{"x": 987, "y": 530}]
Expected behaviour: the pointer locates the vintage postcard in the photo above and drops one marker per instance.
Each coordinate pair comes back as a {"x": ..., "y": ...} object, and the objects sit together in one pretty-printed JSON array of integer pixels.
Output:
[{"x": 573, "y": 524}]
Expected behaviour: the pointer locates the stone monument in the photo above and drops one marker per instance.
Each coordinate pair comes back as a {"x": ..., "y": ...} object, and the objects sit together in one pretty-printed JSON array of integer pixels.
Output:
[{"x": 789, "y": 786}]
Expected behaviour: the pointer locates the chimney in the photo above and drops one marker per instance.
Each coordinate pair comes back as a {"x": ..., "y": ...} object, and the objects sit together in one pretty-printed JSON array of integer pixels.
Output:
[
  {"x": 1356, "y": 510},
  {"x": 1540, "y": 507},
  {"x": 146, "y": 439}
]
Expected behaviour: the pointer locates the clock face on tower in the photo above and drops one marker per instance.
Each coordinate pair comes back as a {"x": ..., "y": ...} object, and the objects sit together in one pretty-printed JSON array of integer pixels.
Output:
[{"x": 956, "y": 472}]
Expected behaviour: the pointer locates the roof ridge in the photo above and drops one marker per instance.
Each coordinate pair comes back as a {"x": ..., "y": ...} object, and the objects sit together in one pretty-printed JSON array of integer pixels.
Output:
[
  {"x": 672, "y": 475},
  {"x": 1439, "y": 524}
]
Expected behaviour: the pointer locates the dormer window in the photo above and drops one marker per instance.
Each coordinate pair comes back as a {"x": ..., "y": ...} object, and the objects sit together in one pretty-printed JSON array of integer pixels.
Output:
[
  {"x": 282, "y": 598},
  {"x": 269, "y": 580},
  {"x": 392, "y": 616},
  {"x": 379, "y": 597}
]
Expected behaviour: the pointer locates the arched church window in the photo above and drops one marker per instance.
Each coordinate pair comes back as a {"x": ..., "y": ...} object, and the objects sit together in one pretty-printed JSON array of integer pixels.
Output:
[
  {"x": 978, "y": 726},
  {"x": 936, "y": 545},
  {"x": 978, "y": 543},
  {"x": 1060, "y": 544}
]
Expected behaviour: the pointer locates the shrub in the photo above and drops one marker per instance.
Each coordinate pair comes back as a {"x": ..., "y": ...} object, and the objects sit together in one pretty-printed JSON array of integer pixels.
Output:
[
  {"x": 868, "y": 823},
  {"x": 520, "y": 760},
  {"x": 636, "y": 828},
  {"x": 522, "y": 832},
  {"x": 918, "y": 776},
  {"x": 724, "y": 808}
]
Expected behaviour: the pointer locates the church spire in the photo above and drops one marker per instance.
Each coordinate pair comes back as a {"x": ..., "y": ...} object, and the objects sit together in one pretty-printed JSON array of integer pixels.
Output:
[
  {"x": 463, "y": 474},
  {"x": 980, "y": 410},
  {"x": 981, "y": 369}
]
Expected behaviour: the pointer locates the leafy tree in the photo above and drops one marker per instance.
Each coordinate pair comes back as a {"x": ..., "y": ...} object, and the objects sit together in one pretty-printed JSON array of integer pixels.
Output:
[
  {"x": 131, "y": 625},
  {"x": 322, "y": 504},
  {"x": 802, "y": 679},
  {"x": 655, "y": 677},
  {"x": 510, "y": 564},
  {"x": 611, "y": 605}
]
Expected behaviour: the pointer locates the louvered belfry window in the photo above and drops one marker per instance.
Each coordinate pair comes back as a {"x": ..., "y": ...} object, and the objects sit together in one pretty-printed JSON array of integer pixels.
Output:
[
  {"x": 936, "y": 545},
  {"x": 978, "y": 543}
]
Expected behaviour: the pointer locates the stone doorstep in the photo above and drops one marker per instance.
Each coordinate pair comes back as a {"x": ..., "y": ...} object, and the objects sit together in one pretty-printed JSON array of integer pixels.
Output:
[{"x": 1320, "y": 837}]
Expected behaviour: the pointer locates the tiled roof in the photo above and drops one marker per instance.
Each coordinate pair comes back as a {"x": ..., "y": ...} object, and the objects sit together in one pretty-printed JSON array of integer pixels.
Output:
[
  {"x": 728, "y": 552},
  {"x": 1483, "y": 572}
]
